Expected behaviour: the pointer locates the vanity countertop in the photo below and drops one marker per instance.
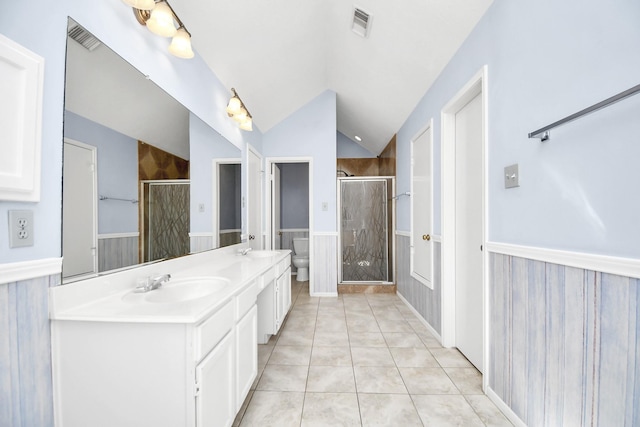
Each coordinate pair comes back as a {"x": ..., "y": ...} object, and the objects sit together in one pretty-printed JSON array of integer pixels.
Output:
[{"x": 108, "y": 298}]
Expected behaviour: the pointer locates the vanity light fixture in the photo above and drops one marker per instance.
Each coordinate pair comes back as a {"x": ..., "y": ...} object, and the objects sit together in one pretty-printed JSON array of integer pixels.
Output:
[
  {"x": 160, "y": 18},
  {"x": 238, "y": 112}
]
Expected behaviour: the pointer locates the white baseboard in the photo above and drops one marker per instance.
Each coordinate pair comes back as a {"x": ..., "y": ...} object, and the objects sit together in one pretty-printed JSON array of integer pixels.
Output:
[
  {"x": 27, "y": 270},
  {"x": 504, "y": 408},
  {"x": 420, "y": 318}
]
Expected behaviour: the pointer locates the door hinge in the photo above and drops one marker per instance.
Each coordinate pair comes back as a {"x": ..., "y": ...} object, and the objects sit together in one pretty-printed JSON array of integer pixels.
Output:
[
  {"x": 480, "y": 247},
  {"x": 196, "y": 389}
]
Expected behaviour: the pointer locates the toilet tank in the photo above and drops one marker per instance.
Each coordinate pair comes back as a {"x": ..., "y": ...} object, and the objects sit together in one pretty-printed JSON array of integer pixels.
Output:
[{"x": 301, "y": 245}]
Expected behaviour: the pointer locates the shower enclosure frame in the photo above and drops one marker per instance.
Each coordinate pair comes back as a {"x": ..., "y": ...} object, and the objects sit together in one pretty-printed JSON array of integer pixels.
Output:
[{"x": 391, "y": 241}]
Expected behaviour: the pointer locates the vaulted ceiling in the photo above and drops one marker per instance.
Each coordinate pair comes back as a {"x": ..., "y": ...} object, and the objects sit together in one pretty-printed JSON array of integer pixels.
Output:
[{"x": 280, "y": 54}]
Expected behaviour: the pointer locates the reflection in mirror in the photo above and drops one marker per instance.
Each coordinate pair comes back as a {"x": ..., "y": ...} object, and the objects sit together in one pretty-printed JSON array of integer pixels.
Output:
[
  {"x": 228, "y": 227},
  {"x": 126, "y": 170}
]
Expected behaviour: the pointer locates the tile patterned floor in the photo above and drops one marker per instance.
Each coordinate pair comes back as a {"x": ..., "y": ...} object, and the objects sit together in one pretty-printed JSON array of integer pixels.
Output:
[{"x": 362, "y": 360}]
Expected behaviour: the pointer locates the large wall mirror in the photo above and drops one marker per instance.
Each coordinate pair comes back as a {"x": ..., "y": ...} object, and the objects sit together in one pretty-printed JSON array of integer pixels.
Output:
[{"x": 127, "y": 172}]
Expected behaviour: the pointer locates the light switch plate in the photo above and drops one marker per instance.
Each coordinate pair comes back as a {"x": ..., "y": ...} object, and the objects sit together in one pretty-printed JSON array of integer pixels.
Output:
[
  {"x": 20, "y": 229},
  {"x": 511, "y": 176}
]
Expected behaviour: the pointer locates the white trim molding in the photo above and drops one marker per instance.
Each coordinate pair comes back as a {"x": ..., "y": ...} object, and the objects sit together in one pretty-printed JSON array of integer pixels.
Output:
[
  {"x": 627, "y": 267},
  {"x": 119, "y": 235},
  {"x": 403, "y": 233},
  {"x": 506, "y": 410},
  {"x": 422, "y": 320},
  {"x": 205, "y": 234},
  {"x": 27, "y": 270}
]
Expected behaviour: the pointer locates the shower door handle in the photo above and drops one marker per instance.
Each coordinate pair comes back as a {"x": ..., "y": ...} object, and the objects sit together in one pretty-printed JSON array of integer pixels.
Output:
[{"x": 426, "y": 237}]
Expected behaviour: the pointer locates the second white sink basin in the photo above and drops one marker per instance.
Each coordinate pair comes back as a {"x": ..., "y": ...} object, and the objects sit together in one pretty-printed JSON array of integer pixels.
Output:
[
  {"x": 180, "y": 290},
  {"x": 261, "y": 254}
]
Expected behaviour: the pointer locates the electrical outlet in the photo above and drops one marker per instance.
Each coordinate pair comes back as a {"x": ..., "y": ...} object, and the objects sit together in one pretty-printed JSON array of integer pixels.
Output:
[{"x": 20, "y": 229}]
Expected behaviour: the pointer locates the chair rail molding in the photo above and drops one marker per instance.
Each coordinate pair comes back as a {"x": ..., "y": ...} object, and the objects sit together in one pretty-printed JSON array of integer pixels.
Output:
[{"x": 27, "y": 270}]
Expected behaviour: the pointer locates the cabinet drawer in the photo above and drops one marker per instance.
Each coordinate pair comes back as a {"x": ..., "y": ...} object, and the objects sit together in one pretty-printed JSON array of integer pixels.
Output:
[
  {"x": 267, "y": 278},
  {"x": 211, "y": 331},
  {"x": 246, "y": 300}
]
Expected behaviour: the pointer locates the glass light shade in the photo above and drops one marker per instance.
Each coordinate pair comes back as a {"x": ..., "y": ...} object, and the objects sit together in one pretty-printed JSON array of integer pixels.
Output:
[
  {"x": 233, "y": 107},
  {"x": 181, "y": 44},
  {"x": 247, "y": 124},
  {"x": 141, "y": 4},
  {"x": 161, "y": 21},
  {"x": 240, "y": 116}
]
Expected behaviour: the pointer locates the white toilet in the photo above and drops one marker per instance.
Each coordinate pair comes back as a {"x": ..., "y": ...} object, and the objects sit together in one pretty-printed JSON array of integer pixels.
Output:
[{"x": 301, "y": 258}]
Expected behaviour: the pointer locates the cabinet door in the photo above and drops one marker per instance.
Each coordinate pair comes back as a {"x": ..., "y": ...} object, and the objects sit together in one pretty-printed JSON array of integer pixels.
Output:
[
  {"x": 283, "y": 296},
  {"x": 246, "y": 354},
  {"x": 215, "y": 398}
]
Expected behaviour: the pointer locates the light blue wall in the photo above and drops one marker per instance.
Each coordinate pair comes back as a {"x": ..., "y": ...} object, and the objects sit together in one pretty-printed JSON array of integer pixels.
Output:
[
  {"x": 205, "y": 145},
  {"x": 347, "y": 149},
  {"x": 311, "y": 132},
  {"x": 191, "y": 82},
  {"x": 546, "y": 60},
  {"x": 294, "y": 195},
  {"x": 117, "y": 172}
]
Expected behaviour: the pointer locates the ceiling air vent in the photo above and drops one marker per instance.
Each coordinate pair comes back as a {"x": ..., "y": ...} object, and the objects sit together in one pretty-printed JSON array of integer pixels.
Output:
[
  {"x": 361, "y": 22},
  {"x": 84, "y": 37}
]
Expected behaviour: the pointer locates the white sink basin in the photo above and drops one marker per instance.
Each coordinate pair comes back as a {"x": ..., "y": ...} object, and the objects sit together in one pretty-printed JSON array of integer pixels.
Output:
[
  {"x": 180, "y": 290},
  {"x": 261, "y": 254}
]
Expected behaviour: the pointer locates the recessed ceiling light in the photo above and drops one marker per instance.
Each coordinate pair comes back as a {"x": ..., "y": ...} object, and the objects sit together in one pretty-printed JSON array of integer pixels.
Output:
[{"x": 358, "y": 138}]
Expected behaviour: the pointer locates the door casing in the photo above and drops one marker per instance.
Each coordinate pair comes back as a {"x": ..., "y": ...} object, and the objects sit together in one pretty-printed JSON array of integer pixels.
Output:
[{"x": 476, "y": 85}]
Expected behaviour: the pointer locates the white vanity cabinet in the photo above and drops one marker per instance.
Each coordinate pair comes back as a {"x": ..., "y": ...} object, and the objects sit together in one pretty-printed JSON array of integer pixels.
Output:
[
  {"x": 183, "y": 358},
  {"x": 156, "y": 374},
  {"x": 274, "y": 300}
]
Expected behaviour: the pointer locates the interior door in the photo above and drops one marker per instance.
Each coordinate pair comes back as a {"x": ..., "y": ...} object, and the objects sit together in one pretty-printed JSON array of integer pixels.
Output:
[
  {"x": 79, "y": 216},
  {"x": 421, "y": 202},
  {"x": 469, "y": 271},
  {"x": 276, "y": 233},
  {"x": 255, "y": 201}
]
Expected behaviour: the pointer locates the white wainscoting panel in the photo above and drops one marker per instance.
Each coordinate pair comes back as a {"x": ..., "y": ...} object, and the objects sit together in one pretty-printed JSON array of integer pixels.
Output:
[
  {"x": 427, "y": 302},
  {"x": 200, "y": 242},
  {"x": 324, "y": 265},
  {"x": 26, "y": 391},
  {"x": 564, "y": 347},
  {"x": 117, "y": 251}
]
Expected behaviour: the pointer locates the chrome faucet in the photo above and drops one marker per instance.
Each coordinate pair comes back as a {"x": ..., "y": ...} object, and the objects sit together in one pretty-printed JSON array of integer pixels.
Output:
[
  {"x": 152, "y": 282},
  {"x": 244, "y": 251}
]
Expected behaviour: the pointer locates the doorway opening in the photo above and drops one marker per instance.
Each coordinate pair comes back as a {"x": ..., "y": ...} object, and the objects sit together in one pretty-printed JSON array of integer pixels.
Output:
[
  {"x": 366, "y": 223},
  {"x": 464, "y": 302},
  {"x": 289, "y": 207}
]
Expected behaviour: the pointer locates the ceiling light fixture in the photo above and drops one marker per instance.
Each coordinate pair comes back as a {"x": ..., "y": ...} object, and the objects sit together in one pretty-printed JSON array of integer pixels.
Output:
[
  {"x": 358, "y": 138},
  {"x": 238, "y": 112},
  {"x": 160, "y": 18}
]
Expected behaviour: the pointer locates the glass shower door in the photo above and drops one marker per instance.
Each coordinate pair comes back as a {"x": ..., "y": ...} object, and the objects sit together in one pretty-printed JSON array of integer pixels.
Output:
[
  {"x": 166, "y": 219},
  {"x": 364, "y": 230}
]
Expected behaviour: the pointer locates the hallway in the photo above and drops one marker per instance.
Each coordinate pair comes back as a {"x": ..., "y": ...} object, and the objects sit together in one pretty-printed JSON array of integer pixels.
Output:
[{"x": 361, "y": 360}]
